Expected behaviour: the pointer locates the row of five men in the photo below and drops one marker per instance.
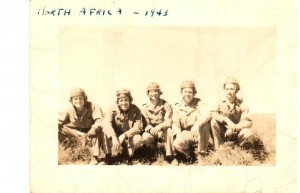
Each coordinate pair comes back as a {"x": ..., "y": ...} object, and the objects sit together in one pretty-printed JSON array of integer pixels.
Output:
[{"x": 126, "y": 127}]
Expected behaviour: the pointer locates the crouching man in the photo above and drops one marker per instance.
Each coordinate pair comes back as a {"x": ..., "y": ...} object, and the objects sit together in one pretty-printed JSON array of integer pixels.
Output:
[
  {"x": 123, "y": 126},
  {"x": 158, "y": 121},
  {"x": 83, "y": 121},
  {"x": 230, "y": 119},
  {"x": 190, "y": 121}
]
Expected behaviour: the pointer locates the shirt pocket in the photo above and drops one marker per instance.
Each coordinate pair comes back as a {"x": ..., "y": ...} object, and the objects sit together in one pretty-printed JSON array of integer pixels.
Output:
[
  {"x": 236, "y": 117},
  {"x": 89, "y": 122}
]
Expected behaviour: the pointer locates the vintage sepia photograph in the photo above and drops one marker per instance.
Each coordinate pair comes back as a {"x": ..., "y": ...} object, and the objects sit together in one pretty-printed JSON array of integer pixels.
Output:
[
  {"x": 167, "y": 96},
  {"x": 163, "y": 96}
]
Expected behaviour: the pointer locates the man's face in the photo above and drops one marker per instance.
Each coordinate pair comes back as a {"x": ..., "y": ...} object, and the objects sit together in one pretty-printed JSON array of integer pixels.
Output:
[
  {"x": 153, "y": 94},
  {"x": 187, "y": 95},
  {"x": 124, "y": 103},
  {"x": 230, "y": 90},
  {"x": 78, "y": 102}
]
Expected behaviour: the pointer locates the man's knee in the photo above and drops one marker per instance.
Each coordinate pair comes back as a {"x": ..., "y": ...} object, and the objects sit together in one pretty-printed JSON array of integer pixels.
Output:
[
  {"x": 137, "y": 141},
  {"x": 206, "y": 127},
  {"x": 179, "y": 143},
  {"x": 137, "y": 138},
  {"x": 147, "y": 138},
  {"x": 164, "y": 135},
  {"x": 214, "y": 124},
  {"x": 246, "y": 135},
  {"x": 168, "y": 132}
]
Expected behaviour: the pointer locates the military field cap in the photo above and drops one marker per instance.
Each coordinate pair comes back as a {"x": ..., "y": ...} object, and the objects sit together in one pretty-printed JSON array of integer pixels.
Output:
[
  {"x": 231, "y": 80},
  {"x": 188, "y": 84},
  {"x": 153, "y": 86},
  {"x": 77, "y": 92},
  {"x": 123, "y": 93}
]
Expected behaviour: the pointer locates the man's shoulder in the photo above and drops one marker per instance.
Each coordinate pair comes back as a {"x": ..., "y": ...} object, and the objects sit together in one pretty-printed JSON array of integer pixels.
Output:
[
  {"x": 177, "y": 104},
  {"x": 70, "y": 108},
  {"x": 165, "y": 103},
  {"x": 92, "y": 105},
  {"x": 241, "y": 103},
  {"x": 197, "y": 101},
  {"x": 134, "y": 108},
  {"x": 145, "y": 105},
  {"x": 113, "y": 108}
]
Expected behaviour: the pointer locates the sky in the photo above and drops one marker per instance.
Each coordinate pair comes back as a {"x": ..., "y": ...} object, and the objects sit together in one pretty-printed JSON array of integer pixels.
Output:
[{"x": 102, "y": 60}]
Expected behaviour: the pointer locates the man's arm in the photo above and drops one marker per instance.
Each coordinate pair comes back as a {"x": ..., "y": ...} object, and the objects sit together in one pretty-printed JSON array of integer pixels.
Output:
[
  {"x": 167, "y": 123},
  {"x": 146, "y": 121},
  {"x": 176, "y": 129},
  {"x": 63, "y": 118},
  {"x": 107, "y": 124},
  {"x": 246, "y": 121},
  {"x": 137, "y": 127},
  {"x": 204, "y": 115},
  {"x": 97, "y": 116}
]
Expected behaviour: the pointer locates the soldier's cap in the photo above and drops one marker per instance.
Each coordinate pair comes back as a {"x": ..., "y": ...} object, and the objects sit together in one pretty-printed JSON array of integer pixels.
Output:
[
  {"x": 231, "y": 80},
  {"x": 77, "y": 92},
  {"x": 153, "y": 86},
  {"x": 123, "y": 93},
  {"x": 188, "y": 84}
]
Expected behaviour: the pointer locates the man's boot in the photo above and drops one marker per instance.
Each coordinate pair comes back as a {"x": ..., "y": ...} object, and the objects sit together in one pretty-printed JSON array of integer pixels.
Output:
[{"x": 94, "y": 161}]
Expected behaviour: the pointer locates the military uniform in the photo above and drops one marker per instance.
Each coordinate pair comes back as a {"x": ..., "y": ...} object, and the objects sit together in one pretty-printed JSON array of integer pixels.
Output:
[
  {"x": 158, "y": 116},
  {"x": 117, "y": 122},
  {"x": 238, "y": 113},
  {"x": 91, "y": 118},
  {"x": 184, "y": 118}
]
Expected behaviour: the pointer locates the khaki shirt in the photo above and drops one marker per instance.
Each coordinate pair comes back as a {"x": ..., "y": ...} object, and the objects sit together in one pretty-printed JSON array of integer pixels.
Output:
[
  {"x": 237, "y": 112},
  {"x": 161, "y": 114},
  {"x": 92, "y": 116},
  {"x": 117, "y": 122},
  {"x": 186, "y": 116}
]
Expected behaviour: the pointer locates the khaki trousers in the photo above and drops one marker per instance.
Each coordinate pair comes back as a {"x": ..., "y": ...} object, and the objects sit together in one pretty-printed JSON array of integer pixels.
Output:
[
  {"x": 218, "y": 131},
  {"x": 135, "y": 142},
  {"x": 95, "y": 142},
  {"x": 166, "y": 137},
  {"x": 185, "y": 139}
]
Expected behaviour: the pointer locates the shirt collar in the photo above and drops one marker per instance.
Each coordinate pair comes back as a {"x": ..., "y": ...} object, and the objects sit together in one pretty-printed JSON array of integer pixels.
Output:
[
  {"x": 237, "y": 101},
  {"x": 152, "y": 107},
  {"x": 192, "y": 104}
]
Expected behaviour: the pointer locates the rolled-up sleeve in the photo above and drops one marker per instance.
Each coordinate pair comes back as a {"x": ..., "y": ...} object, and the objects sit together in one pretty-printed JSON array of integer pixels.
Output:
[
  {"x": 176, "y": 129},
  {"x": 167, "y": 123},
  {"x": 145, "y": 116},
  {"x": 63, "y": 118},
  {"x": 107, "y": 123},
  {"x": 246, "y": 121},
  {"x": 204, "y": 114},
  {"x": 216, "y": 114},
  {"x": 97, "y": 116}
]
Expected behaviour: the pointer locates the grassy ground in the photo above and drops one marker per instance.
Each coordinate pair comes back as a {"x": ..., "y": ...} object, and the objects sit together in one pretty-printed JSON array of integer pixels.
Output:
[{"x": 262, "y": 153}]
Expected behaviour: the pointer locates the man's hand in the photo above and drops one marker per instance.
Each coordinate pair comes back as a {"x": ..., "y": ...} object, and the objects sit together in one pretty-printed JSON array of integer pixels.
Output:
[
  {"x": 195, "y": 131},
  {"x": 92, "y": 132},
  {"x": 233, "y": 128},
  {"x": 229, "y": 132},
  {"x": 148, "y": 128},
  {"x": 122, "y": 138},
  {"x": 116, "y": 147},
  {"x": 229, "y": 122},
  {"x": 154, "y": 131}
]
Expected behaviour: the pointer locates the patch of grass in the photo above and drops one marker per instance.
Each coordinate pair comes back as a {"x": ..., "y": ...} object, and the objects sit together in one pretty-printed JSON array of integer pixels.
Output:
[
  {"x": 263, "y": 151},
  {"x": 72, "y": 151},
  {"x": 228, "y": 155}
]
